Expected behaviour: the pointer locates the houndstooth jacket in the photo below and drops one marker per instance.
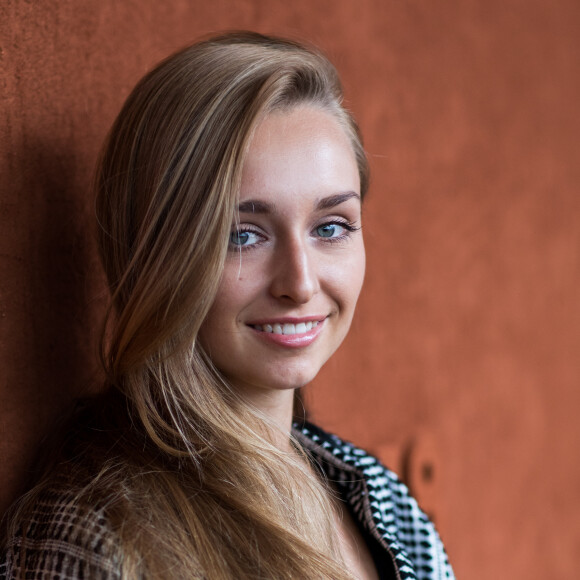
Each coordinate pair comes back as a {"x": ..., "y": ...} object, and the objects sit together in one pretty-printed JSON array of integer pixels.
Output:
[{"x": 62, "y": 544}]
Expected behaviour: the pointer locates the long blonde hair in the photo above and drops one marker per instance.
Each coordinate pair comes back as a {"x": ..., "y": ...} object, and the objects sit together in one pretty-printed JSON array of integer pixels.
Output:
[{"x": 193, "y": 484}]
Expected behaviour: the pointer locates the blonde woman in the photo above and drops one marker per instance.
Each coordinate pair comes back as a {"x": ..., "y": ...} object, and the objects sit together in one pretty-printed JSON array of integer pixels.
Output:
[{"x": 229, "y": 204}]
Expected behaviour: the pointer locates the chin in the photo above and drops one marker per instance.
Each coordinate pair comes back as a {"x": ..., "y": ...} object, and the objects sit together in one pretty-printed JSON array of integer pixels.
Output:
[
  {"x": 289, "y": 381},
  {"x": 281, "y": 379}
]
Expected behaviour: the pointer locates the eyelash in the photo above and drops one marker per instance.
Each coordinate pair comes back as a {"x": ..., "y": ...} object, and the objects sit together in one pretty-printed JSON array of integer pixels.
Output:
[
  {"x": 348, "y": 226},
  {"x": 239, "y": 232}
]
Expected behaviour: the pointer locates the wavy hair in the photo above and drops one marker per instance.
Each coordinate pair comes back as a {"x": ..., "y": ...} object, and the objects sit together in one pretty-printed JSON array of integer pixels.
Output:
[{"x": 193, "y": 484}]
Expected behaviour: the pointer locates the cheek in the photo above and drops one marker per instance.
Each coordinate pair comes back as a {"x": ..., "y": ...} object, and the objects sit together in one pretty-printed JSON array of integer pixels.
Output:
[
  {"x": 349, "y": 275},
  {"x": 237, "y": 289},
  {"x": 360, "y": 265}
]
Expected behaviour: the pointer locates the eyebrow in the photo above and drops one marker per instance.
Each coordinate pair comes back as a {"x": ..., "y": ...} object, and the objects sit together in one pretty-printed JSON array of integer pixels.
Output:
[
  {"x": 337, "y": 199},
  {"x": 261, "y": 207}
]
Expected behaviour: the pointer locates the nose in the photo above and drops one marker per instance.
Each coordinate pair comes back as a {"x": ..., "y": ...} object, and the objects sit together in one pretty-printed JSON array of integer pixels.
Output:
[{"x": 295, "y": 272}]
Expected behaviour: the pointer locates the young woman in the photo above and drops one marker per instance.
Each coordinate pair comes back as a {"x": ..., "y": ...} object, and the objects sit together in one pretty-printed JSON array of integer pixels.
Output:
[{"x": 229, "y": 205}]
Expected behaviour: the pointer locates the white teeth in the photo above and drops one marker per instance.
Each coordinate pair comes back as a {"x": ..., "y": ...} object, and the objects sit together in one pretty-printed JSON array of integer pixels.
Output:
[{"x": 287, "y": 328}]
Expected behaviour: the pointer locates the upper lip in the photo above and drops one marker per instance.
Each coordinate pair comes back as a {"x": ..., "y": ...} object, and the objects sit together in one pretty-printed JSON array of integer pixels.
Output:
[{"x": 287, "y": 320}]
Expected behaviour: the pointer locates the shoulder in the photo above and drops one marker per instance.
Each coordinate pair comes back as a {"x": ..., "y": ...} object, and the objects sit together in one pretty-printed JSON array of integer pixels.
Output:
[
  {"x": 60, "y": 536},
  {"x": 381, "y": 502}
]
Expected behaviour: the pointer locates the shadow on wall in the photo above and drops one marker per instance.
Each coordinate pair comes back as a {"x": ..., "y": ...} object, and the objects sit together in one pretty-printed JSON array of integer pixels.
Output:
[{"x": 52, "y": 294}]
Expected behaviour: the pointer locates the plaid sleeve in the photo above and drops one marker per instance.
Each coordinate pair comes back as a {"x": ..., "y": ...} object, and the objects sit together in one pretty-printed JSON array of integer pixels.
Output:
[{"x": 62, "y": 541}]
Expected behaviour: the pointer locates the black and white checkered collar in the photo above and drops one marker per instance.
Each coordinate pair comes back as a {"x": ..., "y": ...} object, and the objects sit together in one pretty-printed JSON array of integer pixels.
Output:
[{"x": 380, "y": 502}]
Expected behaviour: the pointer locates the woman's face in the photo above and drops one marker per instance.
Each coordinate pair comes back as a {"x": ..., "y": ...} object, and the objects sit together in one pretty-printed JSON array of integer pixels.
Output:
[{"x": 296, "y": 260}]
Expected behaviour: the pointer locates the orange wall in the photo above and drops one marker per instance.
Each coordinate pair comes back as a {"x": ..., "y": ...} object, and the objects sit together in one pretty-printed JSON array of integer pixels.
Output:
[{"x": 462, "y": 367}]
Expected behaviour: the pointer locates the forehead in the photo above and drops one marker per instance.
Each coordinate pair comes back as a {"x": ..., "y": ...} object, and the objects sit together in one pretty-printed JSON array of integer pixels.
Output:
[{"x": 304, "y": 150}]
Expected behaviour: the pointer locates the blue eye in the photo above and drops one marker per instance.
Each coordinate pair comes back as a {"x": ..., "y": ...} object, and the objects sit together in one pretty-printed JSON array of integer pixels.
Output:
[
  {"x": 335, "y": 231},
  {"x": 327, "y": 230},
  {"x": 239, "y": 238},
  {"x": 243, "y": 238}
]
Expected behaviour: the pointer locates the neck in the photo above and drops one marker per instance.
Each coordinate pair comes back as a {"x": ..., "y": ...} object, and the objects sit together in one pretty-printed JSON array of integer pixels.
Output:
[{"x": 278, "y": 406}]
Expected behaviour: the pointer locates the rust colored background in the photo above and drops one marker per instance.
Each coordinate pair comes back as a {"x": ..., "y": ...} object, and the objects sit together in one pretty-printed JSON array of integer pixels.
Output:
[{"x": 462, "y": 368}]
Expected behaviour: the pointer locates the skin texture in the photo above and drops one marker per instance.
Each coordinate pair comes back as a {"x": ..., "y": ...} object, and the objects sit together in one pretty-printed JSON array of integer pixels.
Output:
[
  {"x": 293, "y": 258},
  {"x": 290, "y": 259}
]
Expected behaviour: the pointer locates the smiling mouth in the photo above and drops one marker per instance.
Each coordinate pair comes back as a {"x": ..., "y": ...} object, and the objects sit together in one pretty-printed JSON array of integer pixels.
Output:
[{"x": 287, "y": 328}]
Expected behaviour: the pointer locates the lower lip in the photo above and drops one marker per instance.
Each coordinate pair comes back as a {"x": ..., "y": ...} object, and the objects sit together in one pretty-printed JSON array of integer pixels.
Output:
[{"x": 291, "y": 340}]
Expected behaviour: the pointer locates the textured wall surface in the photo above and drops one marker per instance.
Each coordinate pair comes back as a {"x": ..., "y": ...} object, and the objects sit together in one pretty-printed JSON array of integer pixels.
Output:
[{"x": 462, "y": 367}]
